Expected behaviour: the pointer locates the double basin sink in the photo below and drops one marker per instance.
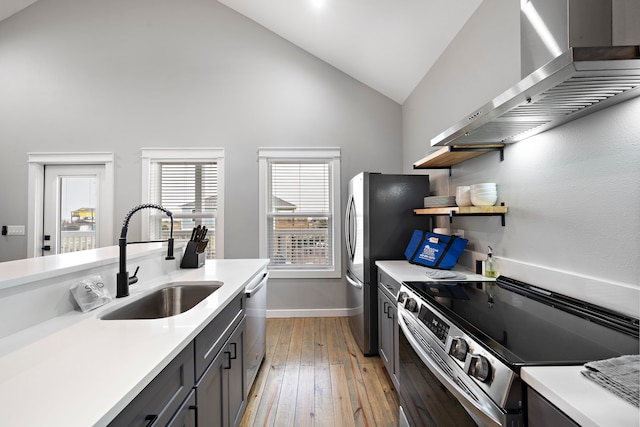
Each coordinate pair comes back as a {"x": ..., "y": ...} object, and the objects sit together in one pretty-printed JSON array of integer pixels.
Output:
[{"x": 172, "y": 299}]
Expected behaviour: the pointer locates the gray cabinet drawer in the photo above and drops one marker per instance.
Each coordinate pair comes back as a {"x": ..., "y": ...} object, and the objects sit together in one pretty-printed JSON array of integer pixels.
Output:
[
  {"x": 212, "y": 338},
  {"x": 389, "y": 286},
  {"x": 159, "y": 401}
]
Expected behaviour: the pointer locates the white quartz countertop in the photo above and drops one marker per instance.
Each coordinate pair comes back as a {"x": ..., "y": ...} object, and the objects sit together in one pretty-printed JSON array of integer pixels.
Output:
[
  {"x": 403, "y": 271},
  {"x": 85, "y": 372},
  {"x": 587, "y": 403}
]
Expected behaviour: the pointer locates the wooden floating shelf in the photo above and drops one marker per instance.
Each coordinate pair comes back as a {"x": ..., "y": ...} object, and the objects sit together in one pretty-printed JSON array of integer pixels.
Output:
[
  {"x": 446, "y": 157},
  {"x": 462, "y": 210},
  {"x": 452, "y": 211}
]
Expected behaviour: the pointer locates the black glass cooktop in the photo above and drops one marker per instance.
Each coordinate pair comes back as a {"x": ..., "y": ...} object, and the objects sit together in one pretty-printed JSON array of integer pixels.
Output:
[{"x": 525, "y": 325}]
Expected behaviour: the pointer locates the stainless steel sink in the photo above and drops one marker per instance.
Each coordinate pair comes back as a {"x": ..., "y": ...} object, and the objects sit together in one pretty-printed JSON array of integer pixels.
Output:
[{"x": 173, "y": 299}]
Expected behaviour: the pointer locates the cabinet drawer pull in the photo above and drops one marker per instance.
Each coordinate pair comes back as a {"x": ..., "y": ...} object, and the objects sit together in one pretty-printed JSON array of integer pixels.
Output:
[
  {"x": 152, "y": 419},
  {"x": 228, "y": 353},
  {"x": 235, "y": 352},
  {"x": 194, "y": 408}
]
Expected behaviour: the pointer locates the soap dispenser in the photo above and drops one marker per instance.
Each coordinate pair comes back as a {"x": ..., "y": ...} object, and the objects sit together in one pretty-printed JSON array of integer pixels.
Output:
[{"x": 491, "y": 264}]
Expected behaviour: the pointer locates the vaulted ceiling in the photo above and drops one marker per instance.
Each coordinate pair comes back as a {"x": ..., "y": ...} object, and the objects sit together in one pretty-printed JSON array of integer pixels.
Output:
[
  {"x": 388, "y": 45},
  {"x": 9, "y": 7}
]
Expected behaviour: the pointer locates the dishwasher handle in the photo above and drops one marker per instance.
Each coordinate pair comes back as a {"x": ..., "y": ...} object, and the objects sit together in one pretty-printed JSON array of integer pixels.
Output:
[{"x": 249, "y": 291}]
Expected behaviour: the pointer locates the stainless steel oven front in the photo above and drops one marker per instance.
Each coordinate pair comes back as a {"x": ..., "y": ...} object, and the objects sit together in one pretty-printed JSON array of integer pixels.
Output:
[{"x": 445, "y": 378}]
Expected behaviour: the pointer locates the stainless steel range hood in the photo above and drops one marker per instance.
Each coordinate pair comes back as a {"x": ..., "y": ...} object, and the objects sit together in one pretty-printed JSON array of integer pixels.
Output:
[{"x": 579, "y": 81}]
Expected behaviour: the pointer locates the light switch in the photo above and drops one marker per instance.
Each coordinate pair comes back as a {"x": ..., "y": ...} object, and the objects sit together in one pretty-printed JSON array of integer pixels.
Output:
[{"x": 15, "y": 230}]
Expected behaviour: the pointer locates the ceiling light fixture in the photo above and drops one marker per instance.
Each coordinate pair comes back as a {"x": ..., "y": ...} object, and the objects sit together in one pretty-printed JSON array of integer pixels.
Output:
[{"x": 318, "y": 4}]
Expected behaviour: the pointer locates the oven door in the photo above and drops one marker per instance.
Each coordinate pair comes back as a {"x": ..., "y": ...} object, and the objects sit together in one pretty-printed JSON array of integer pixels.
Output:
[{"x": 430, "y": 391}]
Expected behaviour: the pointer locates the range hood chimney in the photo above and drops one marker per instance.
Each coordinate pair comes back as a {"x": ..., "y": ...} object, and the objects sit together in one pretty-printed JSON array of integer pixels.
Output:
[{"x": 577, "y": 57}]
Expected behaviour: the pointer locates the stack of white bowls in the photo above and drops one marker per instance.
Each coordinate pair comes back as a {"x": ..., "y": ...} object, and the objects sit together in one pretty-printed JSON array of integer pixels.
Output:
[
  {"x": 463, "y": 195},
  {"x": 485, "y": 194}
]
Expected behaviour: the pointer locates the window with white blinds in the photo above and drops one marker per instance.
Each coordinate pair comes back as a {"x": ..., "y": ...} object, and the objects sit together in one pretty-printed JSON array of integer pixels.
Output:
[
  {"x": 191, "y": 190},
  {"x": 300, "y": 215}
]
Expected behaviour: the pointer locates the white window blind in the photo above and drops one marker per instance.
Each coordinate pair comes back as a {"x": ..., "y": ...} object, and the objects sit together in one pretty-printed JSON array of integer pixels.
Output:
[
  {"x": 300, "y": 215},
  {"x": 186, "y": 187},
  {"x": 190, "y": 191}
]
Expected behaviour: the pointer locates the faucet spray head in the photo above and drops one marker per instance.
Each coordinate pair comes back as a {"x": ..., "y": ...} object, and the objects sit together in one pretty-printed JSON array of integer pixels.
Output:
[{"x": 127, "y": 218}]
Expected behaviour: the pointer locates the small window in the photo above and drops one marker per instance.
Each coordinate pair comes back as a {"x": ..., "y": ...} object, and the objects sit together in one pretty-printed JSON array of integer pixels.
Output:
[
  {"x": 300, "y": 211},
  {"x": 188, "y": 183}
]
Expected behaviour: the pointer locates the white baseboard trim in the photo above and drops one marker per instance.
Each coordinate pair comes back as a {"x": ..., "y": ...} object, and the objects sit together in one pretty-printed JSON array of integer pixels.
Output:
[{"x": 328, "y": 312}]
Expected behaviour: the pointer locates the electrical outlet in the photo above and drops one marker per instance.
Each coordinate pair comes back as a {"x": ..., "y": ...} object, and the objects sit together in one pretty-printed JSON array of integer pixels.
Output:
[{"x": 15, "y": 230}]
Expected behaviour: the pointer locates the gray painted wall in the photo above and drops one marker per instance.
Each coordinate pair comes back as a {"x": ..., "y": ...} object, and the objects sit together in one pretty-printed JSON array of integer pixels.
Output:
[
  {"x": 572, "y": 192},
  {"x": 118, "y": 75}
]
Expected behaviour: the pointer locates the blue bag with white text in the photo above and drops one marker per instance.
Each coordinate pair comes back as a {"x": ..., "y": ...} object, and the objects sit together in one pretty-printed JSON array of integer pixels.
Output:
[{"x": 434, "y": 250}]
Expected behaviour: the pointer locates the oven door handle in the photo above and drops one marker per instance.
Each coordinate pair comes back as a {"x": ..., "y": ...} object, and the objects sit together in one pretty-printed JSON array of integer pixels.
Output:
[{"x": 486, "y": 412}]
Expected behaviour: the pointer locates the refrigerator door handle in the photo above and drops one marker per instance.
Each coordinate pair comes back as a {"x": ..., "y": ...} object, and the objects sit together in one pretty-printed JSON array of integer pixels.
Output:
[
  {"x": 348, "y": 226},
  {"x": 347, "y": 220},
  {"x": 353, "y": 282}
]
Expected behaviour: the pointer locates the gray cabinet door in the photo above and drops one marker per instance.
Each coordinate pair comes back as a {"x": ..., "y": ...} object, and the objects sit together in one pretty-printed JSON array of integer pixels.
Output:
[
  {"x": 384, "y": 327},
  {"x": 220, "y": 392},
  {"x": 388, "y": 335},
  {"x": 186, "y": 415},
  {"x": 236, "y": 372},
  {"x": 210, "y": 394},
  {"x": 542, "y": 413}
]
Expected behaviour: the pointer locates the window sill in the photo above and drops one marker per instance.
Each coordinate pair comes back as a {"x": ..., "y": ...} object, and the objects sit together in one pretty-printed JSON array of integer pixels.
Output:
[{"x": 304, "y": 274}]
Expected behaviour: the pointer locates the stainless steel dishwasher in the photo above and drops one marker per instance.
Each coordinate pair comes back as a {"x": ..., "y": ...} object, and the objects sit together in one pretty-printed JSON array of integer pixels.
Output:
[{"x": 256, "y": 326}]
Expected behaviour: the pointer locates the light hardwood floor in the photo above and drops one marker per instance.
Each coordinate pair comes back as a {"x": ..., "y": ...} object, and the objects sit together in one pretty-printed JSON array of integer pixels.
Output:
[{"x": 314, "y": 374}]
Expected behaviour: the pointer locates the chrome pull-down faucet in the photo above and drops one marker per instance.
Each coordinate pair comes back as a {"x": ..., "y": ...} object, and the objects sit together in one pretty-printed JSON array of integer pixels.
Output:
[{"x": 122, "y": 277}]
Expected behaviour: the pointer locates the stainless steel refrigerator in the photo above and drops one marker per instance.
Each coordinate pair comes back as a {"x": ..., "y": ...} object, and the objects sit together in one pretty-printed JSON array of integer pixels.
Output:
[{"x": 379, "y": 221}]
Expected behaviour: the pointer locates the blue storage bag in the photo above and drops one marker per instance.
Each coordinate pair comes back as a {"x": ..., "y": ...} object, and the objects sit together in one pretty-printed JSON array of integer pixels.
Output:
[{"x": 434, "y": 250}]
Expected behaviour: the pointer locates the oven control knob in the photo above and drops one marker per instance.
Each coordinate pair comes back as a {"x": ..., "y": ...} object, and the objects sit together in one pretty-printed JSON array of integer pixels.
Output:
[
  {"x": 401, "y": 297},
  {"x": 480, "y": 368},
  {"x": 459, "y": 348},
  {"x": 411, "y": 305}
]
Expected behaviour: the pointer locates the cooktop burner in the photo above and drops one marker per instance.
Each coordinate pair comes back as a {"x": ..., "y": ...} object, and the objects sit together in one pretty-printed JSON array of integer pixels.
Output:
[{"x": 525, "y": 325}]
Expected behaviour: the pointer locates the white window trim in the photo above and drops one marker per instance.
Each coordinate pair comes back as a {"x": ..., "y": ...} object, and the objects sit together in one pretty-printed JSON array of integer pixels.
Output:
[
  {"x": 35, "y": 203},
  {"x": 151, "y": 155},
  {"x": 298, "y": 153}
]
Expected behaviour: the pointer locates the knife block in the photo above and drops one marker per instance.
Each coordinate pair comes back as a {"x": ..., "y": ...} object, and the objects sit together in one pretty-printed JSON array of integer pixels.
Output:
[{"x": 192, "y": 258}]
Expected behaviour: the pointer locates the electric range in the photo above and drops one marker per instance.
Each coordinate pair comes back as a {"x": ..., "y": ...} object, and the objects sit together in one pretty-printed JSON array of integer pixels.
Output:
[{"x": 475, "y": 336}]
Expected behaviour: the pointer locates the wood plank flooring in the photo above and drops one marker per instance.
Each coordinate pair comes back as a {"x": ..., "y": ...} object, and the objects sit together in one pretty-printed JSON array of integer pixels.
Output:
[{"x": 314, "y": 374}]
